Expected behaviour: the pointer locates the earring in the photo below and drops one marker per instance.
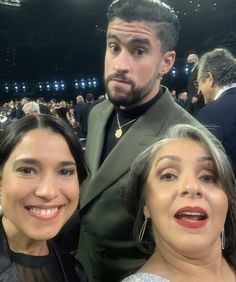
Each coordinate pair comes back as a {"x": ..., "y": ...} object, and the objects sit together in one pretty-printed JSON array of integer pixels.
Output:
[
  {"x": 222, "y": 236},
  {"x": 1, "y": 211},
  {"x": 142, "y": 230}
]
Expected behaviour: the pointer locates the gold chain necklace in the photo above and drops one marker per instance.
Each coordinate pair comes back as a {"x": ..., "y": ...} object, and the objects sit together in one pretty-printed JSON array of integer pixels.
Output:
[{"x": 119, "y": 131}]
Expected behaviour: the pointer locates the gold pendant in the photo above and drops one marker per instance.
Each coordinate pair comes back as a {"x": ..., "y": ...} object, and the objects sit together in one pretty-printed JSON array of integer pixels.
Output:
[{"x": 118, "y": 133}]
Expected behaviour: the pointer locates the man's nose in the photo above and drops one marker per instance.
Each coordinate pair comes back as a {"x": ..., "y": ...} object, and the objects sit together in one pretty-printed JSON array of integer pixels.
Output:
[{"x": 122, "y": 62}]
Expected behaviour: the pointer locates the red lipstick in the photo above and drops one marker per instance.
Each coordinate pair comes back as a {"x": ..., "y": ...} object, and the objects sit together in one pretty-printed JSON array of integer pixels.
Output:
[{"x": 191, "y": 217}]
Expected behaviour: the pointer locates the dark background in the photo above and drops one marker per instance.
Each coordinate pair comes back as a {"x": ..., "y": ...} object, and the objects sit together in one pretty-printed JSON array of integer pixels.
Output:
[{"x": 48, "y": 40}]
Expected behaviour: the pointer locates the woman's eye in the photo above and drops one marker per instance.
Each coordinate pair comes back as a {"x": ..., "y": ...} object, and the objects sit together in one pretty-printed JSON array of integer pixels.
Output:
[
  {"x": 25, "y": 170},
  {"x": 67, "y": 172},
  {"x": 168, "y": 176},
  {"x": 209, "y": 178}
]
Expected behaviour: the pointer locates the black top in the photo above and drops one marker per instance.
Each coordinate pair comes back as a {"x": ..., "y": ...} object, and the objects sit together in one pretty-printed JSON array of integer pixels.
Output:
[
  {"x": 37, "y": 268},
  {"x": 125, "y": 116},
  {"x": 57, "y": 266}
]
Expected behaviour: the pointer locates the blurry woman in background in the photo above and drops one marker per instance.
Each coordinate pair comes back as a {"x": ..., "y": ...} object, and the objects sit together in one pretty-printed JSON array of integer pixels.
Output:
[
  {"x": 41, "y": 168},
  {"x": 183, "y": 199}
]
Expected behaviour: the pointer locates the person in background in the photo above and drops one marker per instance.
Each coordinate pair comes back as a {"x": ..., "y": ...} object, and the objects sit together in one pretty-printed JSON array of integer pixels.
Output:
[
  {"x": 79, "y": 104},
  {"x": 217, "y": 82},
  {"x": 195, "y": 100},
  {"x": 84, "y": 114},
  {"x": 62, "y": 111},
  {"x": 12, "y": 109},
  {"x": 31, "y": 108},
  {"x": 19, "y": 111},
  {"x": 173, "y": 94},
  {"x": 141, "y": 38},
  {"x": 44, "y": 109},
  {"x": 53, "y": 105},
  {"x": 182, "y": 99},
  {"x": 41, "y": 169},
  {"x": 184, "y": 207}
]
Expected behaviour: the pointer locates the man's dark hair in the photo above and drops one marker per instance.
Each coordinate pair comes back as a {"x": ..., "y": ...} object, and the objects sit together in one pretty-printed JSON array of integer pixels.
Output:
[
  {"x": 153, "y": 11},
  {"x": 221, "y": 64},
  {"x": 89, "y": 97}
]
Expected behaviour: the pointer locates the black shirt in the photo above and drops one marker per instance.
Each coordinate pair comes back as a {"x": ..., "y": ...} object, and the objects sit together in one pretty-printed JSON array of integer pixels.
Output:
[
  {"x": 37, "y": 268},
  {"x": 124, "y": 116}
]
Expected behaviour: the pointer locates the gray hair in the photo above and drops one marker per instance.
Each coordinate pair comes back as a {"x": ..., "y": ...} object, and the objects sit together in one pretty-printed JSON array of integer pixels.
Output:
[
  {"x": 221, "y": 64},
  {"x": 32, "y": 107},
  {"x": 140, "y": 169}
]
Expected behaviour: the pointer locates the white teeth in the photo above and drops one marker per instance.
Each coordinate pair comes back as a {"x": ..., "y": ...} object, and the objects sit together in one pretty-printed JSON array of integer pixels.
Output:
[
  {"x": 44, "y": 212},
  {"x": 192, "y": 213}
]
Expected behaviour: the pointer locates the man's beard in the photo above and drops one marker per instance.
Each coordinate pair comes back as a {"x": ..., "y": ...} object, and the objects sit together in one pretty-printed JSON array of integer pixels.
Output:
[{"x": 136, "y": 93}]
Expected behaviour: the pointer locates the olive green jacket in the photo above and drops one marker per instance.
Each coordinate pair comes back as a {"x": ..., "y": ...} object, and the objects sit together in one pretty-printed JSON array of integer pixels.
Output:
[{"x": 106, "y": 247}]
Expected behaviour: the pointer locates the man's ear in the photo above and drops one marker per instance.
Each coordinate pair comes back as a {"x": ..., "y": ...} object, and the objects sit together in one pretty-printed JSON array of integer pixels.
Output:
[
  {"x": 146, "y": 211},
  {"x": 211, "y": 79},
  {"x": 167, "y": 62}
]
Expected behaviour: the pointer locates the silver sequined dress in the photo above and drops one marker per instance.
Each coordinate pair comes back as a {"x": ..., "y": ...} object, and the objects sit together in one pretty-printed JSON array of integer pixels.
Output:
[{"x": 145, "y": 277}]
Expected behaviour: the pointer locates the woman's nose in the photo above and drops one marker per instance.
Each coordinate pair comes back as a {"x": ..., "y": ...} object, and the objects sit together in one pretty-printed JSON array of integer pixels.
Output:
[
  {"x": 47, "y": 188},
  {"x": 191, "y": 187}
]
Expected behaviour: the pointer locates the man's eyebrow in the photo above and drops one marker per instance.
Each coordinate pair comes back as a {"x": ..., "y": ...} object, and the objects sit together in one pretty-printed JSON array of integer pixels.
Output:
[
  {"x": 134, "y": 40},
  {"x": 112, "y": 36},
  {"x": 141, "y": 40}
]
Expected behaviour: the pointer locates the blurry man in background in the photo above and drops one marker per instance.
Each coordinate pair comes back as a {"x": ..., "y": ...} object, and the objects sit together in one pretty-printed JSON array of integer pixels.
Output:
[
  {"x": 217, "y": 82},
  {"x": 195, "y": 100},
  {"x": 31, "y": 108}
]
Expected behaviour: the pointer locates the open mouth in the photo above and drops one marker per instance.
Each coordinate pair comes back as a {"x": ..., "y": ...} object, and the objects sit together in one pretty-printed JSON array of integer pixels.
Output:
[
  {"x": 192, "y": 217},
  {"x": 44, "y": 212}
]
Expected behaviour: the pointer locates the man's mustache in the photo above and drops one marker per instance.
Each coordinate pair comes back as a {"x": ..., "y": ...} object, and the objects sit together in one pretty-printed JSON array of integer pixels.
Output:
[{"x": 119, "y": 76}]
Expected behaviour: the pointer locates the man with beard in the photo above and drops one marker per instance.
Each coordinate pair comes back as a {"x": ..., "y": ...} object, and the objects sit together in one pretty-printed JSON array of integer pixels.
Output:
[{"x": 141, "y": 37}]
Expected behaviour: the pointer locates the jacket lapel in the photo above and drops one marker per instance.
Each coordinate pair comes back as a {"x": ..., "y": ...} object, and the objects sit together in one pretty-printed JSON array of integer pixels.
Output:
[
  {"x": 96, "y": 136},
  {"x": 141, "y": 135}
]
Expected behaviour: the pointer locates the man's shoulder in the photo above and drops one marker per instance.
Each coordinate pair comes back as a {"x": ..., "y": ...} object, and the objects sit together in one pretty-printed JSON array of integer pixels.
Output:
[{"x": 100, "y": 107}]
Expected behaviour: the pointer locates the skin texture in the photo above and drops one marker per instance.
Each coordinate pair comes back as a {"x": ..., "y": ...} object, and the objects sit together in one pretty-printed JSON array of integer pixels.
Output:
[
  {"x": 179, "y": 179},
  {"x": 134, "y": 63},
  {"x": 42, "y": 176},
  {"x": 207, "y": 86}
]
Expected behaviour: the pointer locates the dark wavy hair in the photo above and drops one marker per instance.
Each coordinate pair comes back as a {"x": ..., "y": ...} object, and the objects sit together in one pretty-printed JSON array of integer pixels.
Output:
[
  {"x": 140, "y": 169},
  {"x": 14, "y": 133},
  {"x": 154, "y": 11}
]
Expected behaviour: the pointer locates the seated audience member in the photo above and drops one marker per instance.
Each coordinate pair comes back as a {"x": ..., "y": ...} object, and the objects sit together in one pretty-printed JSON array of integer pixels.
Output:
[
  {"x": 41, "y": 169},
  {"x": 217, "y": 82},
  {"x": 31, "y": 108},
  {"x": 184, "y": 206}
]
